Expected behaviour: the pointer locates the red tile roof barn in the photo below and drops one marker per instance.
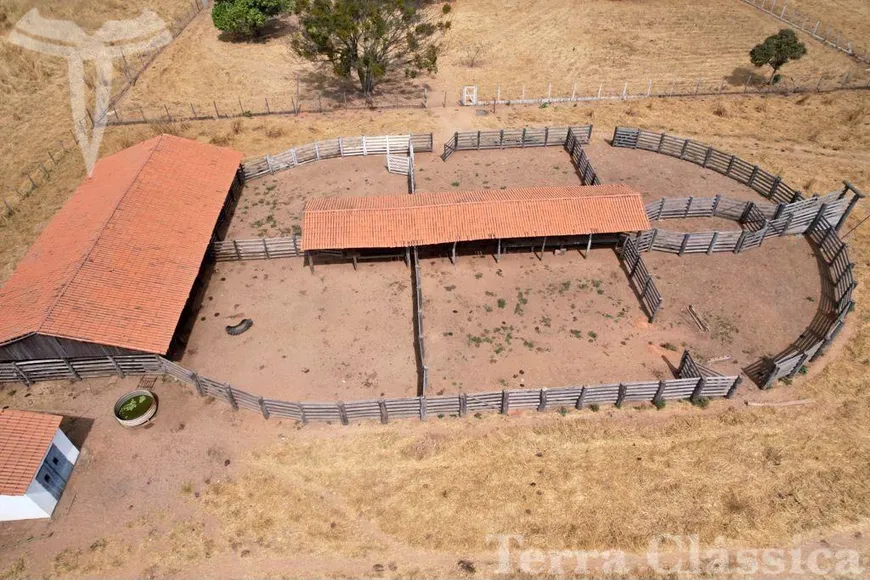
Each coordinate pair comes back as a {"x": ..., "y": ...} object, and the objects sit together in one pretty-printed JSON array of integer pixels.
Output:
[
  {"x": 24, "y": 440},
  {"x": 433, "y": 218},
  {"x": 116, "y": 264}
]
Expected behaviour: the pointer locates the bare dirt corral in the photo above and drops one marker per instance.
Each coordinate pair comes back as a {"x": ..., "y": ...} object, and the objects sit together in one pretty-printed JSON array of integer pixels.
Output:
[
  {"x": 336, "y": 334},
  {"x": 495, "y": 169},
  {"x": 272, "y": 206},
  {"x": 570, "y": 321}
]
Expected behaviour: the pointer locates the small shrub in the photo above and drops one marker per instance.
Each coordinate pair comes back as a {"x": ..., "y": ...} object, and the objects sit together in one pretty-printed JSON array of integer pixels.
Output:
[
  {"x": 502, "y": 302},
  {"x": 803, "y": 370},
  {"x": 659, "y": 404},
  {"x": 563, "y": 411},
  {"x": 478, "y": 275},
  {"x": 576, "y": 333},
  {"x": 236, "y": 126},
  {"x": 702, "y": 402},
  {"x": 454, "y": 183},
  {"x": 450, "y": 288},
  {"x": 274, "y": 132},
  {"x": 720, "y": 111},
  {"x": 594, "y": 407},
  {"x": 669, "y": 346},
  {"x": 592, "y": 334},
  {"x": 446, "y": 9}
]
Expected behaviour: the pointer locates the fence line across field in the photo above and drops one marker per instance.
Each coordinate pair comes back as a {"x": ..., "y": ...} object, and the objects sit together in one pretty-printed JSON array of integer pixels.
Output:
[
  {"x": 691, "y": 384},
  {"x": 516, "y": 139},
  {"x": 819, "y": 30},
  {"x": 39, "y": 172}
]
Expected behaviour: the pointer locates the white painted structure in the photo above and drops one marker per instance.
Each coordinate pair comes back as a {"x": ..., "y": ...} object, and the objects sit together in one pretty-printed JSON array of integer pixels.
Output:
[{"x": 48, "y": 476}]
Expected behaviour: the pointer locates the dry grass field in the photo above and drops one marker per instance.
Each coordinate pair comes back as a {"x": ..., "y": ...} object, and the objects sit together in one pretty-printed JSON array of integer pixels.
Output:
[
  {"x": 851, "y": 18},
  {"x": 595, "y": 42},
  {"x": 219, "y": 494}
]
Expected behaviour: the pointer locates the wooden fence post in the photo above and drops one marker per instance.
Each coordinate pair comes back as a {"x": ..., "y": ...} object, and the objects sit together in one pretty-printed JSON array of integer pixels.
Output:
[
  {"x": 382, "y": 407},
  {"x": 302, "y": 414},
  {"x": 542, "y": 405},
  {"x": 660, "y": 391},
  {"x": 505, "y": 402},
  {"x": 263, "y": 408},
  {"x": 683, "y": 245},
  {"x": 712, "y": 243},
  {"x": 422, "y": 401},
  {"x": 72, "y": 371},
  {"x": 21, "y": 374},
  {"x": 699, "y": 388},
  {"x": 198, "y": 384},
  {"x": 342, "y": 413},
  {"x": 231, "y": 396},
  {"x": 739, "y": 246},
  {"x": 463, "y": 404},
  {"x": 581, "y": 399},
  {"x": 117, "y": 366},
  {"x": 733, "y": 388},
  {"x": 620, "y": 397}
]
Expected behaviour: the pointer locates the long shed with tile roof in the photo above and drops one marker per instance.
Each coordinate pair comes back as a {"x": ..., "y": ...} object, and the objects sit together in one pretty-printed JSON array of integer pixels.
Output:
[
  {"x": 114, "y": 269},
  {"x": 339, "y": 223}
]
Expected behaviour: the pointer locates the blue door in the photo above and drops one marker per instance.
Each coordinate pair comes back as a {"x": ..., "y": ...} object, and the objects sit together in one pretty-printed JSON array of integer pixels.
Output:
[{"x": 59, "y": 463}]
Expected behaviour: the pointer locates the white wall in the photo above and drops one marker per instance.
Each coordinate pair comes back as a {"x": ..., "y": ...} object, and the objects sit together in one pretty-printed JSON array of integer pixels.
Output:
[{"x": 36, "y": 502}]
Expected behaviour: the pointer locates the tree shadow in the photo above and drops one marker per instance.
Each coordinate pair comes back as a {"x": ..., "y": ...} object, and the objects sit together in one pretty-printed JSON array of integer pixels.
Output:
[{"x": 743, "y": 75}]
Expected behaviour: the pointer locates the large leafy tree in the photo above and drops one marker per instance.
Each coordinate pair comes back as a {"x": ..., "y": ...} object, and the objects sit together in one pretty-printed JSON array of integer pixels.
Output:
[
  {"x": 777, "y": 50},
  {"x": 370, "y": 38},
  {"x": 246, "y": 18}
]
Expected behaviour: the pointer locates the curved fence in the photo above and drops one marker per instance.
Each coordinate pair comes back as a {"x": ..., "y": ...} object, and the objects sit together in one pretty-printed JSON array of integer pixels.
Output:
[
  {"x": 332, "y": 148},
  {"x": 691, "y": 383}
]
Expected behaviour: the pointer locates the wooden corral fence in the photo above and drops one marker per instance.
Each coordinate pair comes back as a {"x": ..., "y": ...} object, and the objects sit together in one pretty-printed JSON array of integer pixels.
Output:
[
  {"x": 836, "y": 304},
  {"x": 385, "y": 410},
  {"x": 574, "y": 146},
  {"x": 256, "y": 249},
  {"x": 764, "y": 183},
  {"x": 418, "y": 323},
  {"x": 689, "y": 368},
  {"x": 332, "y": 148},
  {"x": 819, "y": 30},
  {"x": 515, "y": 138},
  {"x": 639, "y": 277}
]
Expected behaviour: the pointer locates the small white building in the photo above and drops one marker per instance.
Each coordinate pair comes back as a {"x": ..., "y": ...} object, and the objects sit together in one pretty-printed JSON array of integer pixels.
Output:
[{"x": 36, "y": 461}]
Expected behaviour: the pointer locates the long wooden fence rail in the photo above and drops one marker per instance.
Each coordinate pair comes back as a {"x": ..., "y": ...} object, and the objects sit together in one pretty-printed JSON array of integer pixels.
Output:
[
  {"x": 639, "y": 276},
  {"x": 515, "y": 138},
  {"x": 333, "y": 148},
  {"x": 385, "y": 410},
  {"x": 574, "y": 146},
  {"x": 256, "y": 249}
]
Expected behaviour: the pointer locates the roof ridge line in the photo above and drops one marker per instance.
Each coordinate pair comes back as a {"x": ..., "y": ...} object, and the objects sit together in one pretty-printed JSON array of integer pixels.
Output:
[
  {"x": 99, "y": 236},
  {"x": 475, "y": 202}
]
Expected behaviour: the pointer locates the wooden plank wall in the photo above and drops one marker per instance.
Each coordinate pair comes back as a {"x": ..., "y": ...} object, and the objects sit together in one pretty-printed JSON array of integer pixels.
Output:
[
  {"x": 333, "y": 148},
  {"x": 639, "y": 276},
  {"x": 384, "y": 410},
  {"x": 515, "y": 138}
]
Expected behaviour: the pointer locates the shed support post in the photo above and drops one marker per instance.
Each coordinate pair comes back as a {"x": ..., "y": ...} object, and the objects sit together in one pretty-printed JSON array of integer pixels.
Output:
[
  {"x": 498, "y": 250},
  {"x": 310, "y": 258},
  {"x": 543, "y": 248},
  {"x": 353, "y": 257},
  {"x": 407, "y": 258},
  {"x": 588, "y": 246},
  {"x": 453, "y": 254}
]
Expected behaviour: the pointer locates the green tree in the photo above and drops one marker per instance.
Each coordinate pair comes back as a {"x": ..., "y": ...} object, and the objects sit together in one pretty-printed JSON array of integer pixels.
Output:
[
  {"x": 370, "y": 38},
  {"x": 777, "y": 50},
  {"x": 246, "y": 18}
]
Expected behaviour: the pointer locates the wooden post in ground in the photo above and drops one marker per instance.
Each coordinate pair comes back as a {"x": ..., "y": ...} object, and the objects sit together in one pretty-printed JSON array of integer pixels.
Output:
[
  {"x": 588, "y": 246},
  {"x": 453, "y": 255}
]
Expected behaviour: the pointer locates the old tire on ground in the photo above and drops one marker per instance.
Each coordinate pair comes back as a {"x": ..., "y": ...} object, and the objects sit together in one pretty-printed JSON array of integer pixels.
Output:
[{"x": 241, "y": 327}]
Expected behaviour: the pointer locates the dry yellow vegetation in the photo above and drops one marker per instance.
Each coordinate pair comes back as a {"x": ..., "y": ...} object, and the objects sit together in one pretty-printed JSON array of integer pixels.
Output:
[{"x": 850, "y": 18}]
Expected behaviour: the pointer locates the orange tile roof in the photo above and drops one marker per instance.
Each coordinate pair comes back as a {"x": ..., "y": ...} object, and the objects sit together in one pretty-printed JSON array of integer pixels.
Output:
[
  {"x": 24, "y": 440},
  {"x": 435, "y": 218},
  {"x": 116, "y": 264}
]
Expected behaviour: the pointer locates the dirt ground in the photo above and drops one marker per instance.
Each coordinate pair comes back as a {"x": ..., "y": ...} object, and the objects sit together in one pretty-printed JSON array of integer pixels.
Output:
[
  {"x": 271, "y": 206},
  {"x": 568, "y": 321},
  {"x": 337, "y": 334},
  {"x": 495, "y": 169}
]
